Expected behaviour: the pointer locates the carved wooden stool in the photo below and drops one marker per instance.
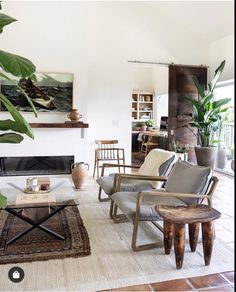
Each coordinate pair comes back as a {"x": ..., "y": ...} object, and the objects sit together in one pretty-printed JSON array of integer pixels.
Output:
[{"x": 175, "y": 218}]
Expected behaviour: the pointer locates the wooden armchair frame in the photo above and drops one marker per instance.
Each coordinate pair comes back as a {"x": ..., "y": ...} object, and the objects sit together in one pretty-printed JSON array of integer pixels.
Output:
[{"x": 113, "y": 208}]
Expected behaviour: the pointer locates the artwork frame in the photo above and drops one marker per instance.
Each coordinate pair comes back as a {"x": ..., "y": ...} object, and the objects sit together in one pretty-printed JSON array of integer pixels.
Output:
[{"x": 52, "y": 92}]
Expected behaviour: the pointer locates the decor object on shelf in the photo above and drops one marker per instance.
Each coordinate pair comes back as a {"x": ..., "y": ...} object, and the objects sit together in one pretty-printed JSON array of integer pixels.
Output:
[
  {"x": 206, "y": 118},
  {"x": 50, "y": 92},
  {"x": 143, "y": 127},
  {"x": 19, "y": 67},
  {"x": 74, "y": 115},
  {"x": 150, "y": 124},
  {"x": 138, "y": 126},
  {"x": 79, "y": 174}
]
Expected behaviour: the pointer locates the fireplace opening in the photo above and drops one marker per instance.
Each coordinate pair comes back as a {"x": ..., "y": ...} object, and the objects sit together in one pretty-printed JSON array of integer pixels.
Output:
[{"x": 32, "y": 165}]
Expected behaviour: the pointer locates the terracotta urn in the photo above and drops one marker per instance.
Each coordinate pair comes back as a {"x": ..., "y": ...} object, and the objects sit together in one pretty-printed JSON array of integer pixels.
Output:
[
  {"x": 74, "y": 115},
  {"x": 79, "y": 173}
]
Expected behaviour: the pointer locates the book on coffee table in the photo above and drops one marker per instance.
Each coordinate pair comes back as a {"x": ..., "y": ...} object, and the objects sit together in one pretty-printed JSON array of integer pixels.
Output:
[{"x": 35, "y": 199}]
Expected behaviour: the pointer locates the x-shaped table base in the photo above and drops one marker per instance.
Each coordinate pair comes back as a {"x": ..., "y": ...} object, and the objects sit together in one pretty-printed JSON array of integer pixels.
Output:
[{"x": 18, "y": 213}]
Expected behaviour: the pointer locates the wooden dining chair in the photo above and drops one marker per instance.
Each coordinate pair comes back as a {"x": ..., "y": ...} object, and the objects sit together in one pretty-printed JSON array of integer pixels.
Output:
[
  {"x": 148, "y": 143},
  {"x": 107, "y": 150}
]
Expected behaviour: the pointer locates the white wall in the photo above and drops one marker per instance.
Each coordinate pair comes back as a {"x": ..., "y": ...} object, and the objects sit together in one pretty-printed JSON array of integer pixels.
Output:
[
  {"x": 222, "y": 49},
  {"x": 94, "y": 41}
]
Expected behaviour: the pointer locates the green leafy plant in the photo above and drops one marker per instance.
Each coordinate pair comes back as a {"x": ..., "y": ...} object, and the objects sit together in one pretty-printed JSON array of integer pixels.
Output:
[
  {"x": 19, "y": 67},
  {"x": 150, "y": 123},
  {"x": 178, "y": 147},
  {"x": 207, "y": 112},
  {"x": 3, "y": 201}
]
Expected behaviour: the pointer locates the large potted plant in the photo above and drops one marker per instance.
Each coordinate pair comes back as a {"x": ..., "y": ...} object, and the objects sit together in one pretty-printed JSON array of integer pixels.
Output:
[
  {"x": 207, "y": 114},
  {"x": 14, "y": 129}
]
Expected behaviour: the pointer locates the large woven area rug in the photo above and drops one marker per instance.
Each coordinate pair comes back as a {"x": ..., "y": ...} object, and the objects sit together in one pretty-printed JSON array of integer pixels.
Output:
[
  {"x": 112, "y": 263},
  {"x": 38, "y": 245}
]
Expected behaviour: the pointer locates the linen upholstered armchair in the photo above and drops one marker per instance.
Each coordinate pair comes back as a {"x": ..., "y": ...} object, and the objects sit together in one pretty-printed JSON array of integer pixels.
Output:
[
  {"x": 187, "y": 184},
  {"x": 158, "y": 162}
]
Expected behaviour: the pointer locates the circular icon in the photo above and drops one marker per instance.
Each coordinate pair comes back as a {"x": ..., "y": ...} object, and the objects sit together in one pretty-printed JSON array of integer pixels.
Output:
[{"x": 16, "y": 274}]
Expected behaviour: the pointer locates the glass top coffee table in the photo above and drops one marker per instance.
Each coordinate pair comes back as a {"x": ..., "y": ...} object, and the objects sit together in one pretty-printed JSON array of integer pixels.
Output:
[{"x": 36, "y": 208}]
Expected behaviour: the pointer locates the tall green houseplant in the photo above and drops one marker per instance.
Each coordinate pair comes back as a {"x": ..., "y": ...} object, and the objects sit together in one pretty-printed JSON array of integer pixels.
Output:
[
  {"x": 207, "y": 116},
  {"x": 13, "y": 129},
  {"x": 18, "y": 67},
  {"x": 207, "y": 111}
]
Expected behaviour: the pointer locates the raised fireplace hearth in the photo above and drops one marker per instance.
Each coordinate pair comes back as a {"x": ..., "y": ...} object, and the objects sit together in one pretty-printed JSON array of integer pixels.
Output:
[{"x": 35, "y": 165}]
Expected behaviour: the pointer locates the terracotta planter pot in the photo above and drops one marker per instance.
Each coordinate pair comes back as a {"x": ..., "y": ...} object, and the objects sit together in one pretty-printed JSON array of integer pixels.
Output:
[{"x": 205, "y": 156}]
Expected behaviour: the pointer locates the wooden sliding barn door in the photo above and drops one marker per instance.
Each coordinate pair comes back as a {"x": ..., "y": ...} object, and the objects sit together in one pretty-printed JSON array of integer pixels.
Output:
[{"x": 180, "y": 112}]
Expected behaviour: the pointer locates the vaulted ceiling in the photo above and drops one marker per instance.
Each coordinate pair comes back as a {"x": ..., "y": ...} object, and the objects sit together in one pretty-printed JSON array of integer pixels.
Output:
[{"x": 209, "y": 20}]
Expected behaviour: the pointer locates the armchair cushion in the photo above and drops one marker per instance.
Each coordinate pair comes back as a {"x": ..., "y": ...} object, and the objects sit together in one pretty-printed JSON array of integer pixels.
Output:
[
  {"x": 188, "y": 178},
  {"x": 106, "y": 183},
  {"x": 126, "y": 202},
  {"x": 158, "y": 162}
]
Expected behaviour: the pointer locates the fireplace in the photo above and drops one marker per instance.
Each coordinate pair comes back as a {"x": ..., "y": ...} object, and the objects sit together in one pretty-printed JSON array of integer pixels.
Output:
[{"x": 35, "y": 165}]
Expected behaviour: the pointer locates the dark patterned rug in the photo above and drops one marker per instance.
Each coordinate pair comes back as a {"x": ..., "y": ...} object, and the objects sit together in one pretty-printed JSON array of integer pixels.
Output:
[{"x": 40, "y": 246}]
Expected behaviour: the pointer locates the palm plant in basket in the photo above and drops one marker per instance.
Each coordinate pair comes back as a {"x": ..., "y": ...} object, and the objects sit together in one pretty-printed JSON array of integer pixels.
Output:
[{"x": 207, "y": 117}]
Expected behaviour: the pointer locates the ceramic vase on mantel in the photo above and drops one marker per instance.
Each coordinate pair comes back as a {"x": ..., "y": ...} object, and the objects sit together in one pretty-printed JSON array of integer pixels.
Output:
[
  {"x": 79, "y": 174},
  {"x": 74, "y": 115}
]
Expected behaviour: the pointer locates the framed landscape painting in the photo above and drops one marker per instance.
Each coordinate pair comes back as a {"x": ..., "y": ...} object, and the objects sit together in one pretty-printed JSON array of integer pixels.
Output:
[{"x": 53, "y": 92}]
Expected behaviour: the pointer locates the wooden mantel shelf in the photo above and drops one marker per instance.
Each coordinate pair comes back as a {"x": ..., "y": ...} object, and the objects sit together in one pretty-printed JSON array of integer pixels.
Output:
[
  {"x": 59, "y": 125},
  {"x": 80, "y": 125}
]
